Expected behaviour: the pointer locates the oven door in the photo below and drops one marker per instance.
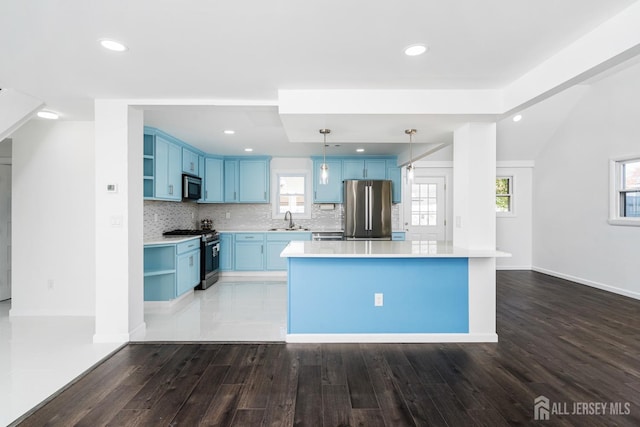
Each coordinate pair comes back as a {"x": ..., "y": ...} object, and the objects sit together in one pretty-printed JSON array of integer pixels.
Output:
[{"x": 210, "y": 263}]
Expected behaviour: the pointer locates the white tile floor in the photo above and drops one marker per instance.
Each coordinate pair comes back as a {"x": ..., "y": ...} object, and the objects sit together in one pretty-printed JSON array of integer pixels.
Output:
[
  {"x": 40, "y": 355},
  {"x": 234, "y": 309}
]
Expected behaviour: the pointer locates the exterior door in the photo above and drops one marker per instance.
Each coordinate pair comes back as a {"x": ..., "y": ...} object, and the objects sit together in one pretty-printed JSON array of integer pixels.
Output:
[
  {"x": 5, "y": 232},
  {"x": 425, "y": 212}
]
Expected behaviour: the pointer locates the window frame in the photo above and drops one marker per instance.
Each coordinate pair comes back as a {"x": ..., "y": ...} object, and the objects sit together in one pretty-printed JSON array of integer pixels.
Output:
[
  {"x": 275, "y": 206},
  {"x": 616, "y": 188},
  {"x": 512, "y": 198},
  {"x": 420, "y": 212}
]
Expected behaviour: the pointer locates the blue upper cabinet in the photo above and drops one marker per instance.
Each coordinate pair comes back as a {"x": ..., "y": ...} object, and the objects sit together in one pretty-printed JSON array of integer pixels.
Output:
[
  {"x": 168, "y": 170},
  {"x": 190, "y": 162},
  {"x": 231, "y": 181},
  {"x": 343, "y": 168},
  {"x": 332, "y": 191},
  {"x": 213, "y": 181},
  {"x": 149, "y": 167},
  {"x": 164, "y": 164},
  {"x": 395, "y": 175},
  {"x": 364, "y": 169},
  {"x": 254, "y": 180},
  {"x": 246, "y": 180}
]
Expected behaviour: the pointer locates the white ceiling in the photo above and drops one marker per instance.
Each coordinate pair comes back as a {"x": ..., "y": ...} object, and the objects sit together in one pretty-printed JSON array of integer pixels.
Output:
[{"x": 240, "y": 53}]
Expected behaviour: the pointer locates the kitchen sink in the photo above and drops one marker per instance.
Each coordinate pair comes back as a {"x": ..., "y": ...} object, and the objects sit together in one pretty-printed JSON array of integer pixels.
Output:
[{"x": 289, "y": 229}]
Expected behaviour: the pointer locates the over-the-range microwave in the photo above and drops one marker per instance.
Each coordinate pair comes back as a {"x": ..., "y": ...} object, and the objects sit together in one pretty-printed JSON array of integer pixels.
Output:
[{"x": 191, "y": 187}]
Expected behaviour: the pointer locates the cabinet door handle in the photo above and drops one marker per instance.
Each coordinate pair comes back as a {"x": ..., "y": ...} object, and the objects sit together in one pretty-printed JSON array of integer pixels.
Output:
[
  {"x": 191, "y": 261},
  {"x": 249, "y": 237},
  {"x": 171, "y": 189},
  {"x": 265, "y": 195},
  {"x": 234, "y": 195},
  {"x": 261, "y": 249},
  {"x": 206, "y": 194},
  {"x": 364, "y": 173}
]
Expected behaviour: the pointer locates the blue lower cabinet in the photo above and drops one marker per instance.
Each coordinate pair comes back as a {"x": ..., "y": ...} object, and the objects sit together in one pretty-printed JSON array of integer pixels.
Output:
[
  {"x": 226, "y": 251},
  {"x": 188, "y": 274},
  {"x": 274, "y": 262},
  {"x": 276, "y": 242},
  {"x": 256, "y": 251},
  {"x": 170, "y": 270},
  {"x": 249, "y": 251}
]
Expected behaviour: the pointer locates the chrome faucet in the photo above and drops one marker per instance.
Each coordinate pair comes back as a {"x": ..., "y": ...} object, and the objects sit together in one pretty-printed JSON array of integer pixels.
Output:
[{"x": 290, "y": 218}]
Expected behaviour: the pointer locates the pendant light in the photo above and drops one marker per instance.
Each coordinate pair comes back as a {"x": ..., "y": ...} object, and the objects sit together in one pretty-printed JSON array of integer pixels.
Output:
[
  {"x": 324, "y": 169},
  {"x": 410, "y": 166}
]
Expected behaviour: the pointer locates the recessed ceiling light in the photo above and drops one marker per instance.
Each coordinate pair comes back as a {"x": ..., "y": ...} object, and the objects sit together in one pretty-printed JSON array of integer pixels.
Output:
[
  {"x": 112, "y": 45},
  {"x": 48, "y": 115},
  {"x": 415, "y": 49},
  {"x": 517, "y": 117},
  {"x": 229, "y": 132},
  {"x": 360, "y": 150},
  {"x": 248, "y": 150}
]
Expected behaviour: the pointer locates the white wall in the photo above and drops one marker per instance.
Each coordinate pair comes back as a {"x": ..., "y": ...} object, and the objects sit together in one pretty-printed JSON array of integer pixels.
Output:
[
  {"x": 5, "y": 147},
  {"x": 118, "y": 222},
  {"x": 53, "y": 263},
  {"x": 572, "y": 238},
  {"x": 514, "y": 232}
]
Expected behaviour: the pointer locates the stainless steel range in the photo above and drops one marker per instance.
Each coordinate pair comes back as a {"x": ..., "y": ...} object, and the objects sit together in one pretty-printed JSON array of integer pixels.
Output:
[{"x": 209, "y": 254}]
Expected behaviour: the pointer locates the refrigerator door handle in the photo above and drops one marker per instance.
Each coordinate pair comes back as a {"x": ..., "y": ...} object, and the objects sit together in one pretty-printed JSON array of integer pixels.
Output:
[
  {"x": 369, "y": 207},
  {"x": 366, "y": 208}
]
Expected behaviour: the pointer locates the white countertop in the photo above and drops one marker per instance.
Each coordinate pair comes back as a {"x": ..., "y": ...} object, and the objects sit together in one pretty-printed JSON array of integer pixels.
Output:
[
  {"x": 253, "y": 230},
  {"x": 383, "y": 249},
  {"x": 169, "y": 240}
]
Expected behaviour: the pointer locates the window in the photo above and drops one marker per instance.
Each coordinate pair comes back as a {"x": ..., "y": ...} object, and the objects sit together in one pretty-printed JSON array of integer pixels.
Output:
[
  {"x": 291, "y": 194},
  {"x": 504, "y": 194},
  {"x": 424, "y": 204},
  {"x": 625, "y": 191}
]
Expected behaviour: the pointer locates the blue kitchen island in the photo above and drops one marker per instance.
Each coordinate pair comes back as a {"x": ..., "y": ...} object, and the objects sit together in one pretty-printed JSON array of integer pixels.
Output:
[{"x": 389, "y": 291}]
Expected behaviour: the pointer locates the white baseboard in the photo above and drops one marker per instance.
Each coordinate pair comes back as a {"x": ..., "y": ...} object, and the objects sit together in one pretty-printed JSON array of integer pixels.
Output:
[
  {"x": 266, "y": 275},
  {"x": 613, "y": 289},
  {"x": 110, "y": 338},
  {"x": 49, "y": 313},
  {"x": 167, "y": 306},
  {"x": 138, "y": 333},
  {"x": 390, "y": 338},
  {"x": 513, "y": 267}
]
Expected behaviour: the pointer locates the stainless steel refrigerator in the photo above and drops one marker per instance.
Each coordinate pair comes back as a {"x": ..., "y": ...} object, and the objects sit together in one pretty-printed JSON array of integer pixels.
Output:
[{"x": 367, "y": 210}]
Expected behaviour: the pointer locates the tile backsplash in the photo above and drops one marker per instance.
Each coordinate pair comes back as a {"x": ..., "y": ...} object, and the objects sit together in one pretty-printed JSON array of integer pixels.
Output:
[{"x": 163, "y": 216}]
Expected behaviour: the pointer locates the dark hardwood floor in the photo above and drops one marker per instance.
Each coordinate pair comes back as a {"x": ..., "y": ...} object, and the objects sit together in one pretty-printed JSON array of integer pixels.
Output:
[{"x": 565, "y": 341}]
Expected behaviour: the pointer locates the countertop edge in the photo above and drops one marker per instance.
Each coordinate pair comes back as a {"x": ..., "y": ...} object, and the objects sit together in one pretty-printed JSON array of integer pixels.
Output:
[
  {"x": 169, "y": 240},
  {"x": 378, "y": 249}
]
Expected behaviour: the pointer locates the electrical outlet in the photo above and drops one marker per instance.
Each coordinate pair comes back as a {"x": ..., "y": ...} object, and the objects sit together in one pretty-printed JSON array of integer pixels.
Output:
[{"x": 378, "y": 300}]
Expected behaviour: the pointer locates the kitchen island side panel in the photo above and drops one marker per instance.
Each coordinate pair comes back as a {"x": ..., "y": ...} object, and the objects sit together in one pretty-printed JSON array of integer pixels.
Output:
[{"x": 336, "y": 295}]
